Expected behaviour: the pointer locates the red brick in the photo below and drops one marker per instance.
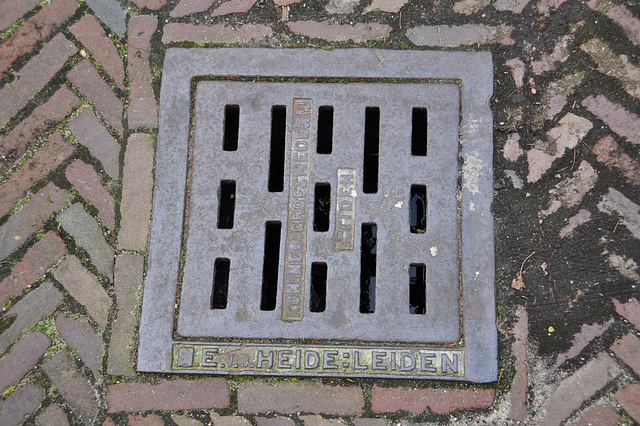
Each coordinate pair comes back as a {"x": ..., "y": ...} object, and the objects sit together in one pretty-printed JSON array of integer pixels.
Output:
[
  {"x": 628, "y": 349},
  {"x": 215, "y": 34},
  {"x": 357, "y": 33},
  {"x": 42, "y": 256},
  {"x": 149, "y": 420},
  {"x": 598, "y": 415},
  {"x": 440, "y": 401},
  {"x": 150, "y": 4},
  {"x": 143, "y": 111},
  {"x": 91, "y": 84},
  {"x": 587, "y": 333},
  {"x": 92, "y": 35},
  {"x": 20, "y": 404},
  {"x": 36, "y": 168},
  {"x": 519, "y": 385},
  {"x": 629, "y": 310},
  {"x": 615, "y": 116},
  {"x": 87, "y": 182},
  {"x": 233, "y": 6},
  {"x": 34, "y": 75},
  {"x": 43, "y": 118},
  {"x": 289, "y": 397},
  {"x": 37, "y": 28},
  {"x": 187, "y": 7},
  {"x": 12, "y": 10},
  {"x": 83, "y": 340},
  {"x": 168, "y": 395},
  {"x": 620, "y": 15},
  {"x": 629, "y": 398},
  {"x": 53, "y": 415},
  {"x": 610, "y": 153},
  {"x": 31, "y": 217},
  {"x": 22, "y": 358}
]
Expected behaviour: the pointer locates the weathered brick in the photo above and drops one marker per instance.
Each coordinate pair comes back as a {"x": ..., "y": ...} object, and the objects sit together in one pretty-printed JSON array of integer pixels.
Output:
[
  {"x": 341, "y": 7},
  {"x": 43, "y": 118},
  {"x": 72, "y": 386},
  {"x": 12, "y": 10},
  {"x": 29, "y": 311},
  {"x": 20, "y": 404},
  {"x": 85, "y": 288},
  {"x": 168, "y": 395},
  {"x": 87, "y": 183},
  {"x": 629, "y": 310},
  {"x": 91, "y": 84},
  {"x": 187, "y": 421},
  {"x": 469, "y": 7},
  {"x": 233, "y": 6},
  {"x": 36, "y": 168},
  {"x": 460, "y": 35},
  {"x": 571, "y": 191},
  {"x": 587, "y": 333},
  {"x": 288, "y": 397},
  {"x": 83, "y": 340},
  {"x": 92, "y": 35},
  {"x": 90, "y": 133},
  {"x": 34, "y": 75},
  {"x": 615, "y": 203},
  {"x": 143, "y": 111},
  {"x": 148, "y": 420},
  {"x": 274, "y": 421},
  {"x": 612, "y": 155},
  {"x": 361, "y": 421},
  {"x": 512, "y": 150},
  {"x": 629, "y": 398},
  {"x": 616, "y": 117},
  {"x": 598, "y": 415},
  {"x": 42, "y": 256},
  {"x": 517, "y": 69},
  {"x": 515, "y": 6},
  {"x": 357, "y": 33},
  {"x": 550, "y": 61},
  {"x": 137, "y": 187},
  {"x": 35, "y": 29},
  {"x": 53, "y": 415},
  {"x": 187, "y": 7},
  {"x": 22, "y": 358},
  {"x": 545, "y": 6},
  {"x": 87, "y": 233},
  {"x": 519, "y": 385},
  {"x": 613, "y": 65},
  {"x": 286, "y": 2},
  {"x": 620, "y": 15},
  {"x": 318, "y": 420},
  {"x": 391, "y": 6},
  {"x": 31, "y": 217},
  {"x": 150, "y": 4},
  {"x": 127, "y": 282},
  {"x": 580, "y": 218},
  {"x": 215, "y": 34},
  {"x": 625, "y": 265},
  {"x": 440, "y": 401},
  {"x": 556, "y": 94},
  {"x": 111, "y": 13},
  {"x": 628, "y": 349}
]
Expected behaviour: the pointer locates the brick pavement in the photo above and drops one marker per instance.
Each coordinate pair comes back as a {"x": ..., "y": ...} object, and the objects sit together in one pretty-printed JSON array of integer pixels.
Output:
[{"x": 78, "y": 117}]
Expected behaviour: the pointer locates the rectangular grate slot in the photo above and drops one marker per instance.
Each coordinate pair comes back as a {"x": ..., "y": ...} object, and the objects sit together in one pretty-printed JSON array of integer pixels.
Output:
[
  {"x": 227, "y": 205},
  {"x": 325, "y": 130},
  {"x": 318, "y": 299},
  {"x": 322, "y": 207},
  {"x": 419, "y": 126},
  {"x": 368, "y": 268},
  {"x": 231, "y": 127},
  {"x": 220, "y": 283},
  {"x": 371, "y": 150},
  {"x": 417, "y": 289},
  {"x": 278, "y": 135},
  {"x": 270, "y": 265},
  {"x": 418, "y": 210}
]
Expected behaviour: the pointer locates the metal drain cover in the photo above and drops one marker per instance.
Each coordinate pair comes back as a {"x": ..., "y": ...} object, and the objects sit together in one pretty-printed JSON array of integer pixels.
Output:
[{"x": 322, "y": 214}]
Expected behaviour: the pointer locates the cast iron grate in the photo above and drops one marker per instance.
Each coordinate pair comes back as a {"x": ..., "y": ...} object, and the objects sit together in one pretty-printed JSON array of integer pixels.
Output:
[{"x": 322, "y": 213}]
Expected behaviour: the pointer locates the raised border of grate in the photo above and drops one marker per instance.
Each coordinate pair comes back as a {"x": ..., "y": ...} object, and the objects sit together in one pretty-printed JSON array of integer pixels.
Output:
[{"x": 474, "y": 358}]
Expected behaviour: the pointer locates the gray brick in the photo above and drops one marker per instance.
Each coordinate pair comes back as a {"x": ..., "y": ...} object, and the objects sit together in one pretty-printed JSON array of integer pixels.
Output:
[
  {"x": 111, "y": 14},
  {"x": 83, "y": 340},
  {"x": 22, "y": 358},
  {"x": 462, "y": 35},
  {"x": 20, "y": 404}
]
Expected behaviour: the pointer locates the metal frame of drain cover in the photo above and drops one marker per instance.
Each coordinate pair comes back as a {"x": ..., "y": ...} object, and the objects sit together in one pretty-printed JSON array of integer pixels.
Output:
[{"x": 468, "y": 353}]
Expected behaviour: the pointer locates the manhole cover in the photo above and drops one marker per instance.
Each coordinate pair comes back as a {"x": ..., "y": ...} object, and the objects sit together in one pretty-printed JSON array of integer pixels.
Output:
[{"x": 322, "y": 214}]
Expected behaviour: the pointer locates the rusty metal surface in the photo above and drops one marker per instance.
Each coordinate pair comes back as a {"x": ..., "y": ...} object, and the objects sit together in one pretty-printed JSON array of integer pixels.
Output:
[{"x": 459, "y": 219}]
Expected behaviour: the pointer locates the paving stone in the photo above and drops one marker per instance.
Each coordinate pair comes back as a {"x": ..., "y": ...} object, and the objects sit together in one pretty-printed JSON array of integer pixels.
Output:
[
  {"x": 341, "y": 7},
  {"x": 137, "y": 188},
  {"x": 566, "y": 135},
  {"x": 20, "y": 404},
  {"x": 317, "y": 420},
  {"x": 188, "y": 7},
  {"x": 359, "y": 421},
  {"x": 43, "y": 118},
  {"x": 188, "y": 421},
  {"x": 512, "y": 150},
  {"x": 92, "y": 35},
  {"x": 629, "y": 398},
  {"x": 92, "y": 134},
  {"x": 34, "y": 75},
  {"x": 168, "y": 395},
  {"x": 148, "y": 420},
  {"x": 629, "y": 310},
  {"x": 233, "y": 6},
  {"x": 440, "y": 401},
  {"x": 613, "y": 65},
  {"x": 53, "y": 415},
  {"x": 29, "y": 311},
  {"x": 615, "y": 203},
  {"x": 587, "y": 333},
  {"x": 150, "y": 4},
  {"x": 571, "y": 191},
  {"x": 549, "y": 62},
  {"x": 143, "y": 111},
  {"x": 518, "y": 398},
  {"x": 12, "y": 10},
  {"x": 616, "y": 117},
  {"x": 557, "y": 93},
  {"x": 215, "y": 34},
  {"x": 72, "y": 386},
  {"x": 91, "y": 84},
  {"x": 461, "y": 35},
  {"x": 610, "y": 153},
  {"x": 628, "y": 349},
  {"x": 22, "y": 357},
  {"x": 357, "y": 33},
  {"x": 274, "y": 421},
  {"x": 36, "y": 168},
  {"x": 128, "y": 283},
  {"x": 580, "y": 218},
  {"x": 390, "y": 6},
  {"x": 87, "y": 182},
  {"x": 83, "y": 340},
  {"x": 229, "y": 420},
  {"x": 111, "y": 13},
  {"x": 42, "y": 256},
  {"x": 87, "y": 233},
  {"x": 49, "y": 200},
  {"x": 288, "y": 398},
  {"x": 469, "y": 7},
  {"x": 517, "y": 69},
  {"x": 620, "y": 15},
  {"x": 37, "y": 28},
  {"x": 598, "y": 415},
  {"x": 85, "y": 288},
  {"x": 515, "y": 6},
  {"x": 576, "y": 389}
]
